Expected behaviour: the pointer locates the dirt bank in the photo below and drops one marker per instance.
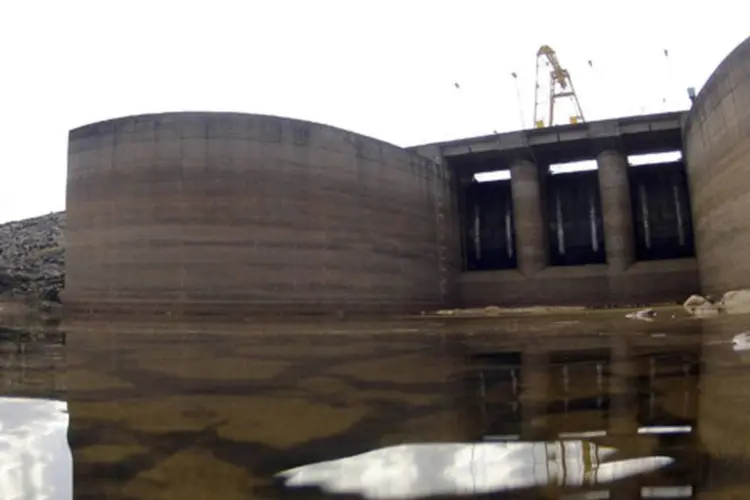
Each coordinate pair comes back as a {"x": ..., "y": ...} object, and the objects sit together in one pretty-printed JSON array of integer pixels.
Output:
[{"x": 32, "y": 258}]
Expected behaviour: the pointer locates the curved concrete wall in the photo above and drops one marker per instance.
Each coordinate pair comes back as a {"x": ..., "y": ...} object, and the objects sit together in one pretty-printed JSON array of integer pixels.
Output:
[
  {"x": 214, "y": 211},
  {"x": 717, "y": 144}
]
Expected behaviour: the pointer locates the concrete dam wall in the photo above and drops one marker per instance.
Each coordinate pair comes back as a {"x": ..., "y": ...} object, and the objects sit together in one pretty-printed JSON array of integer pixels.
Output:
[
  {"x": 717, "y": 143},
  {"x": 220, "y": 212},
  {"x": 620, "y": 234}
]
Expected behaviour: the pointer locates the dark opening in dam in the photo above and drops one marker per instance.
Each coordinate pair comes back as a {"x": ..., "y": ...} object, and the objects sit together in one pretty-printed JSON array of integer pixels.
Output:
[
  {"x": 489, "y": 233},
  {"x": 574, "y": 216},
  {"x": 661, "y": 211}
]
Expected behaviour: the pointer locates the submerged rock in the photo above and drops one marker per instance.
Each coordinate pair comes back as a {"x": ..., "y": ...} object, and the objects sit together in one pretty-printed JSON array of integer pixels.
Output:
[
  {"x": 446, "y": 312},
  {"x": 732, "y": 302},
  {"x": 700, "y": 306},
  {"x": 741, "y": 342},
  {"x": 643, "y": 315},
  {"x": 736, "y": 302},
  {"x": 693, "y": 302}
]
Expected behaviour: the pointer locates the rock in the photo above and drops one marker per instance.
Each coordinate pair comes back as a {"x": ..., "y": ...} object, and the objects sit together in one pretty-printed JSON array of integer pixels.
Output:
[
  {"x": 707, "y": 310},
  {"x": 446, "y": 312},
  {"x": 693, "y": 302},
  {"x": 50, "y": 294},
  {"x": 492, "y": 311},
  {"x": 741, "y": 342},
  {"x": 643, "y": 314},
  {"x": 736, "y": 302},
  {"x": 32, "y": 258},
  {"x": 701, "y": 306}
]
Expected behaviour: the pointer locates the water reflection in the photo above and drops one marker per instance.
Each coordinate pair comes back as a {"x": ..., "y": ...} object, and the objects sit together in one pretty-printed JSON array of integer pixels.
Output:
[
  {"x": 35, "y": 460},
  {"x": 421, "y": 470},
  {"x": 543, "y": 408}
]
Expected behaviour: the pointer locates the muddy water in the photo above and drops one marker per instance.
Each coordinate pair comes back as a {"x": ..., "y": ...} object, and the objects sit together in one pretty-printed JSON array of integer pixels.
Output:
[{"x": 582, "y": 406}]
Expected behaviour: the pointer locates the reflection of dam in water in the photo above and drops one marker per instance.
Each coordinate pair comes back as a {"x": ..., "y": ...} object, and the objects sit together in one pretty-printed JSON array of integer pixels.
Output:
[
  {"x": 270, "y": 403},
  {"x": 584, "y": 382},
  {"x": 639, "y": 397}
]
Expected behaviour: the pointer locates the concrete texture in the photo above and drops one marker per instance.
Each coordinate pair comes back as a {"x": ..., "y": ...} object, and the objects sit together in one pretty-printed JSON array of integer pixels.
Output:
[
  {"x": 653, "y": 133},
  {"x": 717, "y": 143},
  {"x": 642, "y": 283},
  {"x": 220, "y": 212},
  {"x": 448, "y": 237},
  {"x": 614, "y": 190},
  {"x": 529, "y": 219}
]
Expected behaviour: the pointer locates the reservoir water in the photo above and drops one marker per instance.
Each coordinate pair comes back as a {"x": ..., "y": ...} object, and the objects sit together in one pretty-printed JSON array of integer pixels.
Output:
[{"x": 583, "y": 405}]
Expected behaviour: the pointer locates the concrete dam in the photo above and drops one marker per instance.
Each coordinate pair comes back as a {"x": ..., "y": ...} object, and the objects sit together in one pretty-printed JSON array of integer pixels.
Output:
[
  {"x": 204, "y": 213},
  {"x": 213, "y": 211}
]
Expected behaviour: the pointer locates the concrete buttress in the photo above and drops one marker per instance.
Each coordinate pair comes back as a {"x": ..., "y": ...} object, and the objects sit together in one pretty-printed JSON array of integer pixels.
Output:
[
  {"x": 527, "y": 210},
  {"x": 616, "y": 212}
]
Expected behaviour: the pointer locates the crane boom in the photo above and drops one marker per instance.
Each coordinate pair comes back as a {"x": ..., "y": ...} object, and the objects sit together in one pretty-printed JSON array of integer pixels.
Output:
[
  {"x": 558, "y": 73},
  {"x": 560, "y": 86}
]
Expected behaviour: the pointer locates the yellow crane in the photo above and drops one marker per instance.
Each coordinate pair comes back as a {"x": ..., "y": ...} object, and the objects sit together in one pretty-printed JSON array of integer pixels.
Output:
[{"x": 560, "y": 87}]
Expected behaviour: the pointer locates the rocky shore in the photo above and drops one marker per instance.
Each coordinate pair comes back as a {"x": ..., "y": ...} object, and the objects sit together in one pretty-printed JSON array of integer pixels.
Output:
[{"x": 32, "y": 258}]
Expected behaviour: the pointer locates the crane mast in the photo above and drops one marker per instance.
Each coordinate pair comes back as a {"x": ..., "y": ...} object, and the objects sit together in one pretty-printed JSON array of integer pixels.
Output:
[{"x": 560, "y": 87}]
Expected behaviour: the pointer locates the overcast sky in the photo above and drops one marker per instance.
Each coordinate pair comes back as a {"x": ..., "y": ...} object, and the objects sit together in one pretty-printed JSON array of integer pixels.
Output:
[{"x": 384, "y": 68}]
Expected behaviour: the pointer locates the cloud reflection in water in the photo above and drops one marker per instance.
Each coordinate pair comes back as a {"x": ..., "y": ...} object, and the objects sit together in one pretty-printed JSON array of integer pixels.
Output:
[
  {"x": 35, "y": 459},
  {"x": 422, "y": 470}
]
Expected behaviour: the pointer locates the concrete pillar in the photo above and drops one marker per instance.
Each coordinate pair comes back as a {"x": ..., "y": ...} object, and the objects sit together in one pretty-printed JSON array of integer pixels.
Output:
[
  {"x": 531, "y": 245},
  {"x": 614, "y": 189}
]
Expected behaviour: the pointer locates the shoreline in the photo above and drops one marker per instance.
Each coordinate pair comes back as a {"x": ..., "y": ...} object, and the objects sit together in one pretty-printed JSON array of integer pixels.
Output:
[{"x": 46, "y": 314}]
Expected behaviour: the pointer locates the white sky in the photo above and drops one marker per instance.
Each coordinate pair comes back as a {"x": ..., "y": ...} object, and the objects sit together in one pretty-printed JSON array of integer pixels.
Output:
[{"x": 383, "y": 68}]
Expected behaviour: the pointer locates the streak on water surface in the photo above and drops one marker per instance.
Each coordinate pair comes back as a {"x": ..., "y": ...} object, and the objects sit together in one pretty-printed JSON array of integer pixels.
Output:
[{"x": 584, "y": 406}]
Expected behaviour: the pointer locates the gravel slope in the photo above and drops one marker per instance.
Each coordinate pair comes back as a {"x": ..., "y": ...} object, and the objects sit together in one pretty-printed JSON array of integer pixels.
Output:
[{"x": 32, "y": 257}]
